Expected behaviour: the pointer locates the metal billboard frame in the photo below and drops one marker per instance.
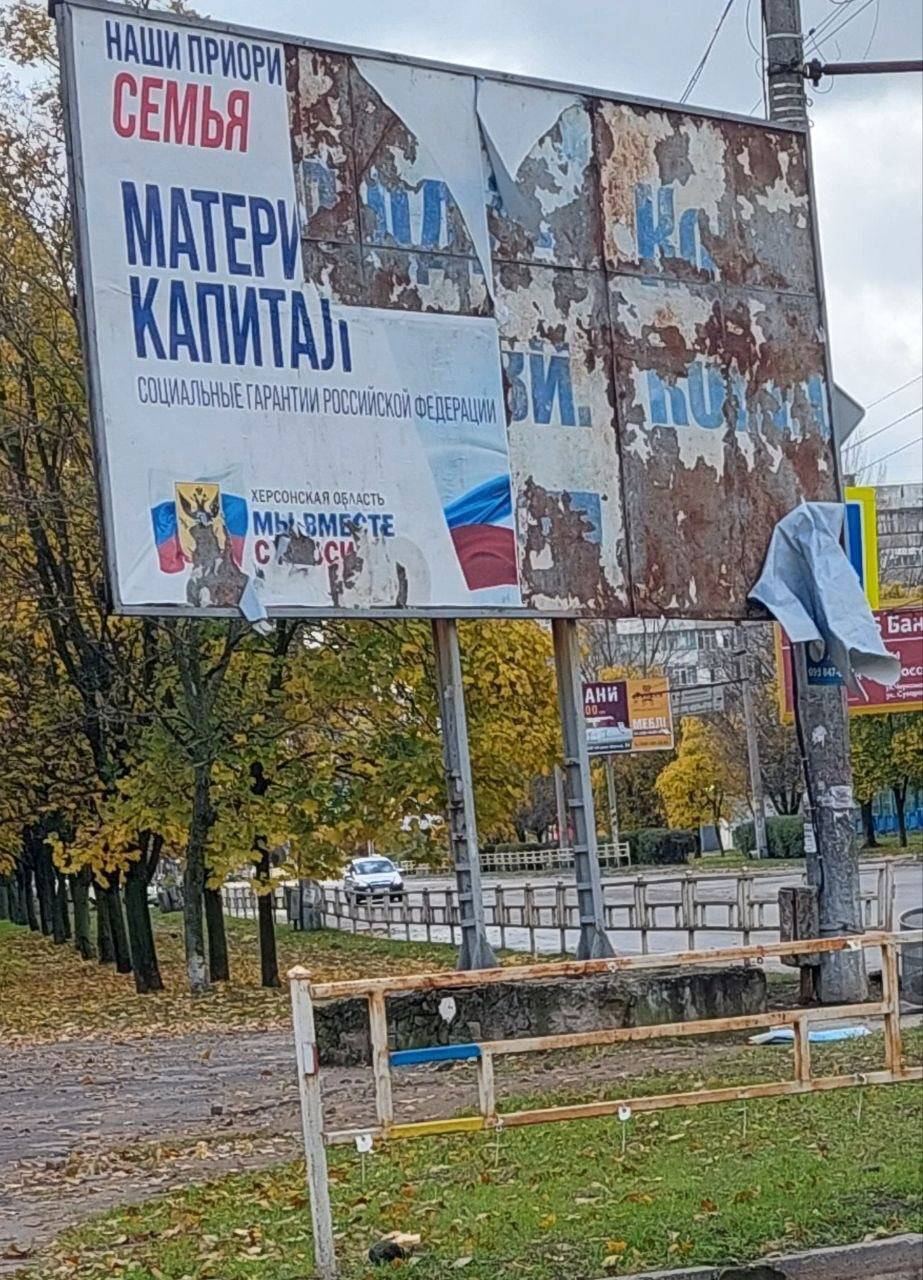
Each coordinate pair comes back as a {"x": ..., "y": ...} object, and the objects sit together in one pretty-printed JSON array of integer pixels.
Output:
[{"x": 61, "y": 11}]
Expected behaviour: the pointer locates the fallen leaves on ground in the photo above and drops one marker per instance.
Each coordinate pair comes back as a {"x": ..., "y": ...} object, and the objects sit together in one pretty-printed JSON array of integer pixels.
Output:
[
  {"x": 547, "y": 1202},
  {"x": 50, "y": 994}
]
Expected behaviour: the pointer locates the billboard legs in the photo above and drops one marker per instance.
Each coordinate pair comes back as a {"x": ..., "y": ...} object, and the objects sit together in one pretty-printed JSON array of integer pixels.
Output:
[
  {"x": 579, "y": 793},
  {"x": 476, "y": 952}
]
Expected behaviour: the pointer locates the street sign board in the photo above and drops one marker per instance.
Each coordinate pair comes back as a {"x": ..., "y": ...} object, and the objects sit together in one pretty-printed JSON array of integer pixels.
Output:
[
  {"x": 902, "y": 634},
  {"x": 605, "y": 708},
  {"x": 373, "y": 336},
  {"x": 697, "y": 700},
  {"x": 861, "y": 538},
  {"x": 628, "y": 715}
]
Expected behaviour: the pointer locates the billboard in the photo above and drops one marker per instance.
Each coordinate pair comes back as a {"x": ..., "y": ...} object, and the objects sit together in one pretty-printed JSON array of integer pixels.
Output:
[
  {"x": 628, "y": 715},
  {"x": 902, "y": 634},
  {"x": 371, "y": 336}
]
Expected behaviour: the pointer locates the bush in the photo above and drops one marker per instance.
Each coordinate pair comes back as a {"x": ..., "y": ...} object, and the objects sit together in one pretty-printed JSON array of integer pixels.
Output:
[
  {"x": 785, "y": 837},
  {"x": 661, "y": 847}
]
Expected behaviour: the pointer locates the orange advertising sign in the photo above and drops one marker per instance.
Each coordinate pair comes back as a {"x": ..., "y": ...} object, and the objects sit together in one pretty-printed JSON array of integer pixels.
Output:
[{"x": 650, "y": 713}]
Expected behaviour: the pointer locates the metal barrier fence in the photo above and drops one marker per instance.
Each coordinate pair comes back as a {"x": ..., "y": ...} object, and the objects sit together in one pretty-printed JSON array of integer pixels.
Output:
[
  {"x": 376, "y": 991},
  {"x": 544, "y": 919},
  {"x": 545, "y": 859}
]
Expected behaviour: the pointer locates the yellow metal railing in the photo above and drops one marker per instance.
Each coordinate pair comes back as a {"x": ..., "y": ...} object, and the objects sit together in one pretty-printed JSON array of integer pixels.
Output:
[{"x": 306, "y": 994}]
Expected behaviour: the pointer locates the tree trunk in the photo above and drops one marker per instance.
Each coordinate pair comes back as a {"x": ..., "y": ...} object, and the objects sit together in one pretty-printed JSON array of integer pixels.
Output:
[
  {"x": 17, "y": 904},
  {"x": 113, "y": 906},
  {"x": 60, "y": 917},
  {"x": 64, "y": 889},
  {"x": 44, "y": 884},
  {"x": 194, "y": 882},
  {"x": 269, "y": 962},
  {"x": 103, "y": 928},
  {"x": 80, "y": 891},
  {"x": 868, "y": 823},
  {"x": 5, "y": 913},
  {"x": 900, "y": 800},
  {"x": 28, "y": 897},
  {"x": 218, "y": 963},
  {"x": 140, "y": 933}
]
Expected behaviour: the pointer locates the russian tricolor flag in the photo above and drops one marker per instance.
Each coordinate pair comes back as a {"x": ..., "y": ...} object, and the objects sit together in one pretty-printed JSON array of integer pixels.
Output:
[
  {"x": 167, "y": 536},
  {"x": 481, "y": 525}
]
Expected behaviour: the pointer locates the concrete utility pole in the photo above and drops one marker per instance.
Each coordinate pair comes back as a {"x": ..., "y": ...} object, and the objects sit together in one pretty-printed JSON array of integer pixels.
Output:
[
  {"x": 753, "y": 749},
  {"x": 820, "y": 710},
  {"x": 476, "y": 952},
  {"x": 593, "y": 944}
]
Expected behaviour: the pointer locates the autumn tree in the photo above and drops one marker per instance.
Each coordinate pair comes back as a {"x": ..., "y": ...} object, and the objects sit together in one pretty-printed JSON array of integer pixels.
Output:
[
  {"x": 50, "y": 555},
  {"x": 703, "y": 782},
  {"x": 887, "y": 755}
]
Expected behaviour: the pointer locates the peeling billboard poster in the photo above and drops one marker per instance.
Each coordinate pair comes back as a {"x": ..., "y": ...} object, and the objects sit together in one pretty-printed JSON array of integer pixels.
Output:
[{"x": 371, "y": 336}]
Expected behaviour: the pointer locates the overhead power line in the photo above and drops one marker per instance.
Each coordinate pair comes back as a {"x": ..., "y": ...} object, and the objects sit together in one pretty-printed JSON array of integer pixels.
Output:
[
  {"x": 889, "y": 394},
  {"x": 693, "y": 79},
  {"x": 850, "y": 17},
  {"x": 813, "y": 33},
  {"x": 888, "y": 426},
  {"x": 884, "y": 458}
]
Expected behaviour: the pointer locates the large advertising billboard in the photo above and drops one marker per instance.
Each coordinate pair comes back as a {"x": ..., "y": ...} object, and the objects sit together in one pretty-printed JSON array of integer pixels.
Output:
[{"x": 368, "y": 336}]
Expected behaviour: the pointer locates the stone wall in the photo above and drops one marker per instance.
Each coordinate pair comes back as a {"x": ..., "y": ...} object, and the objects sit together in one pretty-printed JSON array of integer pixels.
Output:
[{"x": 512, "y": 1010}]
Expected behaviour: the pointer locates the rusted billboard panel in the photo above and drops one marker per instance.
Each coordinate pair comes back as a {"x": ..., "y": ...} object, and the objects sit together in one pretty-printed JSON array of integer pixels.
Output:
[{"x": 630, "y": 287}]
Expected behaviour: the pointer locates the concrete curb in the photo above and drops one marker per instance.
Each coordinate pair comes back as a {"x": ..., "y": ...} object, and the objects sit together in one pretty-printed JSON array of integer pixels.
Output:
[{"x": 895, "y": 1258}]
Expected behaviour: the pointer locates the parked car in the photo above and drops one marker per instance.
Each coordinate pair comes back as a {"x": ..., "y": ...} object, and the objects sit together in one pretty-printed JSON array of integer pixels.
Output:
[{"x": 373, "y": 877}]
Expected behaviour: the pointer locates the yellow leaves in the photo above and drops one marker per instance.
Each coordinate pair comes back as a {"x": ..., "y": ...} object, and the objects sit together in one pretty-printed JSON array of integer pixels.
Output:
[
  {"x": 699, "y": 784},
  {"x": 614, "y": 1251}
]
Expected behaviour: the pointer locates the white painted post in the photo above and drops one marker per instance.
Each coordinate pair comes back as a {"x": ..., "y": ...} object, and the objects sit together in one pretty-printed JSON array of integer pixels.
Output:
[
  {"x": 687, "y": 897},
  {"x": 886, "y": 897},
  {"x": 381, "y": 1059},
  {"x": 487, "y": 1103},
  {"x": 312, "y": 1123}
]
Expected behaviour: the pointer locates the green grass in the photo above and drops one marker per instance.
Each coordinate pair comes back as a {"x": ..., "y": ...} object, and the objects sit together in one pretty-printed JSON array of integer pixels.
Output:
[{"x": 560, "y": 1202}]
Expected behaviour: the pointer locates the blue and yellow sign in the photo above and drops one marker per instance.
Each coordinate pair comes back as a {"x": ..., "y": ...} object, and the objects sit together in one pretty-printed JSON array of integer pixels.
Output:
[{"x": 862, "y": 538}]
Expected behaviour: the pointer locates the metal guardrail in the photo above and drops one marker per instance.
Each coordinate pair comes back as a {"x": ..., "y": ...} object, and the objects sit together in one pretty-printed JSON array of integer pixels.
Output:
[
  {"x": 544, "y": 919},
  {"x": 305, "y": 994},
  {"x": 543, "y": 860}
]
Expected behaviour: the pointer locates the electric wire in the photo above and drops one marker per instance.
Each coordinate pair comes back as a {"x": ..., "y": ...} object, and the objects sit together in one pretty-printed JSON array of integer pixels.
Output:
[
  {"x": 894, "y": 452},
  {"x": 888, "y": 426},
  {"x": 889, "y": 394},
  {"x": 693, "y": 79}
]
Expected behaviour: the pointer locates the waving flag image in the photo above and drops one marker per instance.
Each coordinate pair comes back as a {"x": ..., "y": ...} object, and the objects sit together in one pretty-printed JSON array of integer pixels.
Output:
[
  {"x": 197, "y": 509},
  {"x": 481, "y": 524},
  {"x": 470, "y": 465}
]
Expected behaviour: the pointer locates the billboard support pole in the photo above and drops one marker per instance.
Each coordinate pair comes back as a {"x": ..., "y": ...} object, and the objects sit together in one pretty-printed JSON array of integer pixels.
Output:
[
  {"x": 561, "y": 809},
  {"x": 594, "y": 943},
  {"x": 820, "y": 710},
  {"x": 613, "y": 803},
  {"x": 753, "y": 750},
  {"x": 476, "y": 951}
]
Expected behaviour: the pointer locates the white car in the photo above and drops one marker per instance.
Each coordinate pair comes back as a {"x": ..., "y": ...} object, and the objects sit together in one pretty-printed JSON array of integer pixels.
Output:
[{"x": 373, "y": 877}]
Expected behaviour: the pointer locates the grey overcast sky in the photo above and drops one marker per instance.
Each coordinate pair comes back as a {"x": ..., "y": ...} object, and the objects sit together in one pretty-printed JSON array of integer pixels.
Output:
[{"x": 867, "y": 137}]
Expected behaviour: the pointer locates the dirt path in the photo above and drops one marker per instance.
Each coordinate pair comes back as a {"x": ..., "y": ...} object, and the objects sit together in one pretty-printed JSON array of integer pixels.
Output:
[{"x": 86, "y": 1126}]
